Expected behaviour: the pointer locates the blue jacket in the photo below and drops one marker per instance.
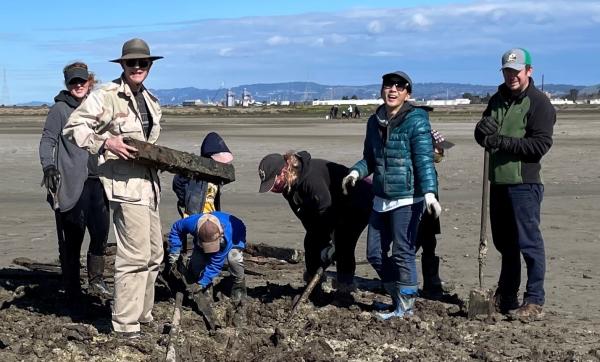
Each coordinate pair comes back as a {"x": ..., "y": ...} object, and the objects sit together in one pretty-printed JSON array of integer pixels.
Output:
[
  {"x": 234, "y": 232},
  {"x": 399, "y": 155}
]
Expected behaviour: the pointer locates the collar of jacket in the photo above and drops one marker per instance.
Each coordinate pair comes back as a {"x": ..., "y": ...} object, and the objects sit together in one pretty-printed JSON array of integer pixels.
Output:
[
  {"x": 124, "y": 88},
  {"x": 66, "y": 97},
  {"x": 509, "y": 96},
  {"x": 381, "y": 114}
]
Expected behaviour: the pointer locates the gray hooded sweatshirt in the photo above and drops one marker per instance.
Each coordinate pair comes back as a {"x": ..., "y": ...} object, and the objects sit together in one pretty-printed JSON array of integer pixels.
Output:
[{"x": 74, "y": 164}]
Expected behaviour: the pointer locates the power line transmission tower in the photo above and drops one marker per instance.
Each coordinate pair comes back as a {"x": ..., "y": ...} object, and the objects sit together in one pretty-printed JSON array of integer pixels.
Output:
[{"x": 5, "y": 98}]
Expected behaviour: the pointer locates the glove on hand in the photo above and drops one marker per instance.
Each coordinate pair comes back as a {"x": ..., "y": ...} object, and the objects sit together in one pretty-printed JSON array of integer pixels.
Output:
[
  {"x": 351, "y": 179},
  {"x": 487, "y": 126},
  {"x": 51, "y": 178},
  {"x": 327, "y": 255},
  {"x": 195, "y": 288},
  {"x": 433, "y": 205},
  {"x": 492, "y": 142}
]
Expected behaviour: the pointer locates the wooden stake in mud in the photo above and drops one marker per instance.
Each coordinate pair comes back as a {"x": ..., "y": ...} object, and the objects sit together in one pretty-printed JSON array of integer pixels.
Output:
[
  {"x": 481, "y": 300},
  {"x": 171, "y": 353}
]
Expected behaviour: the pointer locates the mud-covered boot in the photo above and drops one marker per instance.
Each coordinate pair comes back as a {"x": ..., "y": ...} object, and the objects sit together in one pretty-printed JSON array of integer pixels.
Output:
[
  {"x": 238, "y": 292},
  {"x": 432, "y": 284},
  {"x": 403, "y": 298},
  {"x": 96, "y": 285}
]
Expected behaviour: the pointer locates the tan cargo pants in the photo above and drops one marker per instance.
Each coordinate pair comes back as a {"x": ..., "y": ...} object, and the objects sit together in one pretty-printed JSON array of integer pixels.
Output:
[{"x": 139, "y": 254}]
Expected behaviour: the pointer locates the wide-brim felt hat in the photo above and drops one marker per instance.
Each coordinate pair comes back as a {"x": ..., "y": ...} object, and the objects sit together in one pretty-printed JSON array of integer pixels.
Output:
[{"x": 136, "y": 49}]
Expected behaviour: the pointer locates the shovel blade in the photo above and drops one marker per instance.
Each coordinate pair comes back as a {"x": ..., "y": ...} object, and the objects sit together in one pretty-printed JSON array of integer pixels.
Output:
[{"x": 481, "y": 303}]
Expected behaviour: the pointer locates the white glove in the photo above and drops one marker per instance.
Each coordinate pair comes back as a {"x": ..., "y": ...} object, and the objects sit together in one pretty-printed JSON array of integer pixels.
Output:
[
  {"x": 173, "y": 258},
  {"x": 349, "y": 179},
  {"x": 433, "y": 205}
]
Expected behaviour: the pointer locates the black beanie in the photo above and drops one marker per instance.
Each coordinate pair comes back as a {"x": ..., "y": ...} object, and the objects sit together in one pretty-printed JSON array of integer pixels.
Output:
[{"x": 213, "y": 143}]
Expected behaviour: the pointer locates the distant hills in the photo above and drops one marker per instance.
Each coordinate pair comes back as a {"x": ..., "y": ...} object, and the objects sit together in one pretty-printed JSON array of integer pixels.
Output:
[{"x": 307, "y": 91}]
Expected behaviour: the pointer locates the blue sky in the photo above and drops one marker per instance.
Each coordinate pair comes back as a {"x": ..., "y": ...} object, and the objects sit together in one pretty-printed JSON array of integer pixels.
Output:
[{"x": 340, "y": 42}]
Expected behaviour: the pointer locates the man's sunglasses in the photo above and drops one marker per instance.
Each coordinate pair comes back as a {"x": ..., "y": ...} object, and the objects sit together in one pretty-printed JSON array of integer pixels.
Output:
[
  {"x": 141, "y": 63},
  {"x": 399, "y": 85}
]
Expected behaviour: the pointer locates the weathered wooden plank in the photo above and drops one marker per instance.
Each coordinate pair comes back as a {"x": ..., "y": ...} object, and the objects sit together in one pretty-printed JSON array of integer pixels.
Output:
[
  {"x": 183, "y": 163},
  {"x": 288, "y": 254}
]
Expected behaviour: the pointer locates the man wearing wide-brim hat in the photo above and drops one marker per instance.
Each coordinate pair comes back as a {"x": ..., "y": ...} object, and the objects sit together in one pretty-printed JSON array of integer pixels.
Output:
[{"x": 125, "y": 108}]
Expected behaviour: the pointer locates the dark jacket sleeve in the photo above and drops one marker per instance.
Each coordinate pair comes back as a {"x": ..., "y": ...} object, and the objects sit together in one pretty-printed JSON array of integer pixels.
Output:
[
  {"x": 49, "y": 141},
  {"x": 538, "y": 132},
  {"x": 179, "y": 185}
]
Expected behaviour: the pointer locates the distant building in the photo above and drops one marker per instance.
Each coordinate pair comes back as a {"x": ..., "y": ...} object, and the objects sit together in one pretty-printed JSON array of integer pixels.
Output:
[
  {"x": 192, "y": 103},
  {"x": 595, "y": 101},
  {"x": 229, "y": 98},
  {"x": 246, "y": 98},
  {"x": 558, "y": 101},
  {"x": 356, "y": 102},
  {"x": 448, "y": 102}
]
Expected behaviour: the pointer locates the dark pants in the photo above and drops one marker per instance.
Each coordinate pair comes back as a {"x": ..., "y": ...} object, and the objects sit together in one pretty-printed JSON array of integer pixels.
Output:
[
  {"x": 395, "y": 229},
  {"x": 515, "y": 221},
  {"x": 345, "y": 234},
  {"x": 91, "y": 212},
  {"x": 429, "y": 227}
]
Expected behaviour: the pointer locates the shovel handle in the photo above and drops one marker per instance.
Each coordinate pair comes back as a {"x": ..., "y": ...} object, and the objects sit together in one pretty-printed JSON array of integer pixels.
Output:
[{"x": 484, "y": 216}]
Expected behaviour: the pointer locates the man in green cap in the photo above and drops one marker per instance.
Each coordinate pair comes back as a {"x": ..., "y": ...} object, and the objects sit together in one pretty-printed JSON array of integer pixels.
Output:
[
  {"x": 516, "y": 129},
  {"x": 125, "y": 108}
]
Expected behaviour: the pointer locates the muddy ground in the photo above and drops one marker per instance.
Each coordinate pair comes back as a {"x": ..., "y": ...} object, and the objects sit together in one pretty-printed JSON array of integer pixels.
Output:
[{"x": 35, "y": 323}]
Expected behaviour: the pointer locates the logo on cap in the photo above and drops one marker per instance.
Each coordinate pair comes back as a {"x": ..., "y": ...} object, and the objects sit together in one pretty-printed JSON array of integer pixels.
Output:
[
  {"x": 261, "y": 174},
  {"x": 512, "y": 57}
]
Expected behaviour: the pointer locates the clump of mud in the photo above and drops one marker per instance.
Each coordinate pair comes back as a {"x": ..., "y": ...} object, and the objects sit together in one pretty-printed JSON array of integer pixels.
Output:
[{"x": 38, "y": 323}]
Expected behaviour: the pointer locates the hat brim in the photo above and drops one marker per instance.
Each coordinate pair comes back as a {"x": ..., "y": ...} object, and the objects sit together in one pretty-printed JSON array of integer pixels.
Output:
[
  {"x": 136, "y": 56},
  {"x": 267, "y": 185},
  {"x": 210, "y": 246},
  {"x": 514, "y": 66}
]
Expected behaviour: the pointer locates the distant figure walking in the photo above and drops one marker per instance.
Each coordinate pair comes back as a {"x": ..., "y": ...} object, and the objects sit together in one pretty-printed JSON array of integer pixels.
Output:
[
  {"x": 335, "y": 111},
  {"x": 356, "y": 112}
]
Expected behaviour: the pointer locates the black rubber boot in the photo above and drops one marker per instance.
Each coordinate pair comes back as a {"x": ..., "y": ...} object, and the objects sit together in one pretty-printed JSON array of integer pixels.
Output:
[
  {"x": 96, "y": 285},
  {"x": 432, "y": 284},
  {"x": 238, "y": 292}
]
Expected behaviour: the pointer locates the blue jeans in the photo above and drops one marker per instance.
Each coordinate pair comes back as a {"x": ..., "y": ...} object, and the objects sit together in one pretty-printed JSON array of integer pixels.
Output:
[
  {"x": 515, "y": 221},
  {"x": 395, "y": 229}
]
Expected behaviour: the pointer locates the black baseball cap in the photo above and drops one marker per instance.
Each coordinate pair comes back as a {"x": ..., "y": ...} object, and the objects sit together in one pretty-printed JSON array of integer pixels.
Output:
[{"x": 268, "y": 169}]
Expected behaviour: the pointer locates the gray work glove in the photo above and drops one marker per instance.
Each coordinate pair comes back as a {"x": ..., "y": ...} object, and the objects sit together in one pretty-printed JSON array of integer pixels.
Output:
[
  {"x": 350, "y": 179},
  {"x": 51, "y": 178}
]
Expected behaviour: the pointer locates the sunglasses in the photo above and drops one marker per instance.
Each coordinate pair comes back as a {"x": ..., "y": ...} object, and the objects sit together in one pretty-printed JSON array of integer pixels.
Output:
[
  {"x": 399, "y": 86},
  {"x": 139, "y": 63},
  {"x": 77, "y": 81}
]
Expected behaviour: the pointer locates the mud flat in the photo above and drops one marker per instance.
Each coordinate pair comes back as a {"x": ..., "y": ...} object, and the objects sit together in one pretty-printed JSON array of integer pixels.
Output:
[{"x": 35, "y": 325}]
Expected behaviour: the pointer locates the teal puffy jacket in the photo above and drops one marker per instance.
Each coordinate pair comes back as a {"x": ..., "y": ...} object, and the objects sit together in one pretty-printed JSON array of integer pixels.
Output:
[{"x": 400, "y": 156}]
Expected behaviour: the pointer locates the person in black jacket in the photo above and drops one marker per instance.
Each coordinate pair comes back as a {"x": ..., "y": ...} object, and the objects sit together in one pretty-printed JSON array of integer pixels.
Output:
[
  {"x": 313, "y": 190},
  {"x": 74, "y": 188}
]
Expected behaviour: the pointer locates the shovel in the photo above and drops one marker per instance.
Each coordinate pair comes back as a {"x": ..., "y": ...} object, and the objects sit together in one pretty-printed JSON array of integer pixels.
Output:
[{"x": 481, "y": 300}]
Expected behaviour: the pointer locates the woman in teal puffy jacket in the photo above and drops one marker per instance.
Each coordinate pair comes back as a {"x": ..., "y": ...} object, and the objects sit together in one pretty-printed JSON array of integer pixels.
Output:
[{"x": 398, "y": 152}]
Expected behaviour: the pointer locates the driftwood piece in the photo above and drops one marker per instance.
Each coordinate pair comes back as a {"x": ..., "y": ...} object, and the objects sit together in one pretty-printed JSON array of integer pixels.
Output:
[
  {"x": 289, "y": 255},
  {"x": 37, "y": 266},
  {"x": 183, "y": 163},
  {"x": 171, "y": 352}
]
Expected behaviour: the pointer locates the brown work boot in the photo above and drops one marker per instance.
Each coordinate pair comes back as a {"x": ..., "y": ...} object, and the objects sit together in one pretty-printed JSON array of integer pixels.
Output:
[{"x": 528, "y": 312}]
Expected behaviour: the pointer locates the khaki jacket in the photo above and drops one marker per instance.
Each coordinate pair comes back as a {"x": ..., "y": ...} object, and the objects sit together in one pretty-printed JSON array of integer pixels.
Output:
[{"x": 110, "y": 111}]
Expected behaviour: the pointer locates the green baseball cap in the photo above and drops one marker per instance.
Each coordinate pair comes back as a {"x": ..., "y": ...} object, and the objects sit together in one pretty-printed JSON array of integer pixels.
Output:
[{"x": 516, "y": 58}]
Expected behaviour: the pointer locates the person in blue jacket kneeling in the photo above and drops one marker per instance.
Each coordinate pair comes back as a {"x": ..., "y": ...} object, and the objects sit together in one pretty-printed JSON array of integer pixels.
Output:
[{"x": 219, "y": 238}]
